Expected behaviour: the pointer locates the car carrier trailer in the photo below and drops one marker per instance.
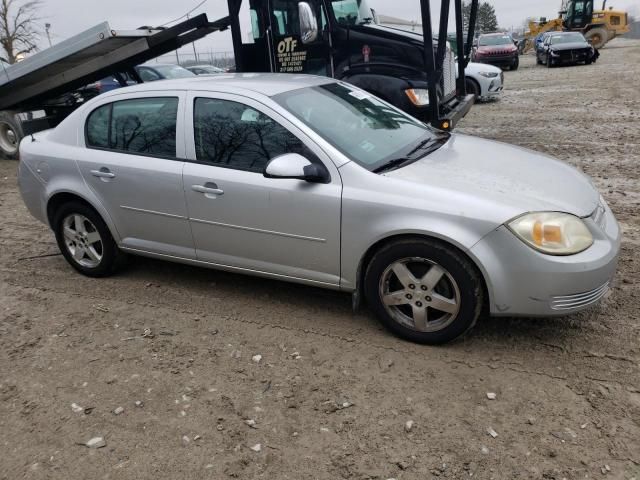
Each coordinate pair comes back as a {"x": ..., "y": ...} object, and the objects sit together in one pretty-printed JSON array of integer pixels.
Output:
[
  {"x": 337, "y": 38},
  {"x": 31, "y": 90}
]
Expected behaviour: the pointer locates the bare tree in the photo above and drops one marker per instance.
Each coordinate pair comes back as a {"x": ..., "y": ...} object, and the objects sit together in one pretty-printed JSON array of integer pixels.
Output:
[{"x": 18, "y": 31}]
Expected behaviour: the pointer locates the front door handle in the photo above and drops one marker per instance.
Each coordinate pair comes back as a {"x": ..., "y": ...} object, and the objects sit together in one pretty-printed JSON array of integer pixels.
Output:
[
  {"x": 103, "y": 173},
  {"x": 208, "y": 188}
]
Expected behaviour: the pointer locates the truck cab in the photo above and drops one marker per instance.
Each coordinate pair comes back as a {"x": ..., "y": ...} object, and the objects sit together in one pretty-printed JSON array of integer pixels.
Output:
[{"x": 342, "y": 39}]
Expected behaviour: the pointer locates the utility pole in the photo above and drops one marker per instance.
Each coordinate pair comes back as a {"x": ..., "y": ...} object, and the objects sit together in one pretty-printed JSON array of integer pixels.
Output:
[{"x": 47, "y": 27}]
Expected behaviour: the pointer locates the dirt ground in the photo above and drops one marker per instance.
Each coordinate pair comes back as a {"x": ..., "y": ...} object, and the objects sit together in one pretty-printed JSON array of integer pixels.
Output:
[{"x": 333, "y": 392}]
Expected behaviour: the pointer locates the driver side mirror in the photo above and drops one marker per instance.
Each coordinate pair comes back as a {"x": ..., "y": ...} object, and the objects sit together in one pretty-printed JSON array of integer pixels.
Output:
[
  {"x": 295, "y": 166},
  {"x": 308, "y": 23}
]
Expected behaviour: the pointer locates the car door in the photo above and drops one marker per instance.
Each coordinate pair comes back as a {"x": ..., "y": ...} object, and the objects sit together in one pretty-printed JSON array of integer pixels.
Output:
[
  {"x": 241, "y": 219},
  {"x": 134, "y": 167},
  {"x": 544, "y": 54}
]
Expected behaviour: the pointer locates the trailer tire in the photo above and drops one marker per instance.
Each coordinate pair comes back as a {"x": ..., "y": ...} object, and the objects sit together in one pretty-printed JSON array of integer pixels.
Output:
[{"x": 10, "y": 134}]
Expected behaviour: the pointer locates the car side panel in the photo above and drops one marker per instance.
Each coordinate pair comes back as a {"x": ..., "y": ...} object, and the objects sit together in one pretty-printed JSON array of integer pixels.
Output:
[{"x": 367, "y": 220}]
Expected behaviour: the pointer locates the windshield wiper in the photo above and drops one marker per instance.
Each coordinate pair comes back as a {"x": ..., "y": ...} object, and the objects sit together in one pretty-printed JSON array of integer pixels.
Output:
[
  {"x": 393, "y": 164},
  {"x": 425, "y": 148}
]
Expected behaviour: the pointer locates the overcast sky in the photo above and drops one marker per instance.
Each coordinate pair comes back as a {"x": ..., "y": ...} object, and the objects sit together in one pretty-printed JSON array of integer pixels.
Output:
[{"x": 68, "y": 17}]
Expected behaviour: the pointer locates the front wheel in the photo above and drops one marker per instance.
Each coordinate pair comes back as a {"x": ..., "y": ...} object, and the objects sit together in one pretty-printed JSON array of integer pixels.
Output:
[
  {"x": 473, "y": 88},
  {"x": 515, "y": 64},
  {"x": 424, "y": 291},
  {"x": 549, "y": 61},
  {"x": 85, "y": 241}
]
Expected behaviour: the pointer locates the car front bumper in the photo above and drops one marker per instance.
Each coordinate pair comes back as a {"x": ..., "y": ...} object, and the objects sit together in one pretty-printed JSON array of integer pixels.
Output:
[
  {"x": 524, "y": 282},
  {"x": 497, "y": 60}
]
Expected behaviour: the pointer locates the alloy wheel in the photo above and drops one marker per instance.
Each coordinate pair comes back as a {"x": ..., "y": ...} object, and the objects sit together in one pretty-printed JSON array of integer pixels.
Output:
[
  {"x": 420, "y": 294},
  {"x": 82, "y": 240}
]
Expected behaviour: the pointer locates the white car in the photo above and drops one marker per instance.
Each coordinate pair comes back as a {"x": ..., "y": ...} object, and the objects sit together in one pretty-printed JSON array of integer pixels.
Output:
[{"x": 484, "y": 81}]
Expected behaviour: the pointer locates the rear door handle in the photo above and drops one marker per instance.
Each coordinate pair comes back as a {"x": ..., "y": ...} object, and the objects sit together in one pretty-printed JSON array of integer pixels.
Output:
[
  {"x": 208, "y": 188},
  {"x": 103, "y": 173}
]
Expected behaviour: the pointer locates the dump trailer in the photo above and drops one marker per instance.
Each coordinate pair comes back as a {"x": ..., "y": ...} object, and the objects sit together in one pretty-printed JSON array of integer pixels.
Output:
[
  {"x": 39, "y": 92},
  {"x": 342, "y": 39}
]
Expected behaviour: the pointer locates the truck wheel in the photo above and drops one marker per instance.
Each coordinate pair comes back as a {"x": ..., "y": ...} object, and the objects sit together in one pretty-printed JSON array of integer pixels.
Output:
[
  {"x": 423, "y": 290},
  {"x": 10, "y": 134},
  {"x": 473, "y": 87},
  {"x": 85, "y": 241},
  {"x": 598, "y": 37},
  {"x": 515, "y": 64}
]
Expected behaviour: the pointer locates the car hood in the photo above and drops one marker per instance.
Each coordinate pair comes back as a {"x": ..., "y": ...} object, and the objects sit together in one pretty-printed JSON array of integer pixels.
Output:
[
  {"x": 516, "y": 179},
  {"x": 507, "y": 47},
  {"x": 569, "y": 46},
  {"x": 476, "y": 68}
]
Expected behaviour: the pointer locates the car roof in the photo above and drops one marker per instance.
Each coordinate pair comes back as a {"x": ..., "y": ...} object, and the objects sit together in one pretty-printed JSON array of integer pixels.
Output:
[
  {"x": 268, "y": 84},
  {"x": 494, "y": 34}
]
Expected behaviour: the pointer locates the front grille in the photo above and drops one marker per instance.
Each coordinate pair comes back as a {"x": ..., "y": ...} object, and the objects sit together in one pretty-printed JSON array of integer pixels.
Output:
[
  {"x": 579, "y": 300},
  {"x": 573, "y": 55}
]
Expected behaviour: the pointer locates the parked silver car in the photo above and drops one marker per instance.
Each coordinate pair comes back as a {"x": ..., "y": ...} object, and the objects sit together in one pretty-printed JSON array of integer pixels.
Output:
[{"x": 311, "y": 180}]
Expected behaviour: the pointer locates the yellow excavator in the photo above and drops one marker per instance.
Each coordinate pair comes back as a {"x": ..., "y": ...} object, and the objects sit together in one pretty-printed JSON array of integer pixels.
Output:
[{"x": 598, "y": 26}]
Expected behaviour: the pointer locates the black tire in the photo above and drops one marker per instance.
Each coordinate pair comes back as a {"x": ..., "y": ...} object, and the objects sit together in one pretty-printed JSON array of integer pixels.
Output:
[
  {"x": 111, "y": 257},
  {"x": 473, "y": 87},
  {"x": 515, "y": 64},
  {"x": 549, "y": 61},
  {"x": 597, "y": 37},
  {"x": 461, "y": 278},
  {"x": 10, "y": 134}
]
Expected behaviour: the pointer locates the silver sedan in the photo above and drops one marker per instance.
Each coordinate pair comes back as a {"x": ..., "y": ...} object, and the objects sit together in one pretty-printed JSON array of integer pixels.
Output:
[{"x": 311, "y": 180}]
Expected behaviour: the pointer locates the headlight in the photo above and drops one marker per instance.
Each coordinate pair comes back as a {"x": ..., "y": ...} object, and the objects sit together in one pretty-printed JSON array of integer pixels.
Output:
[
  {"x": 418, "y": 96},
  {"x": 554, "y": 54},
  {"x": 489, "y": 74},
  {"x": 552, "y": 232}
]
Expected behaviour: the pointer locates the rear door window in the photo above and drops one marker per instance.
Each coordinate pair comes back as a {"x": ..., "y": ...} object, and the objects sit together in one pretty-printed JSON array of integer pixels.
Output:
[{"x": 145, "y": 126}]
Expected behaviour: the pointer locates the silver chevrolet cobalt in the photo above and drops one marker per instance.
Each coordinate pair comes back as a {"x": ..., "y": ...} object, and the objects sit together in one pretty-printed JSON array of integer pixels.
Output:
[{"x": 311, "y": 180}]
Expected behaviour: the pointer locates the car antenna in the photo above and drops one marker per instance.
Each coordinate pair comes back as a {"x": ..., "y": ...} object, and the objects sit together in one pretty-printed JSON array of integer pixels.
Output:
[{"x": 33, "y": 139}]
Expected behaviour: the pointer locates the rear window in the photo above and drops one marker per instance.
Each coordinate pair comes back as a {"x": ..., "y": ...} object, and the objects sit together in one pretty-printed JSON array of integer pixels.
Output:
[{"x": 145, "y": 126}]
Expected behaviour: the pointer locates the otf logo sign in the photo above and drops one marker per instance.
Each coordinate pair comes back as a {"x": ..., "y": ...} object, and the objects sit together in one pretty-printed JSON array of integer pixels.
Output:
[{"x": 287, "y": 45}]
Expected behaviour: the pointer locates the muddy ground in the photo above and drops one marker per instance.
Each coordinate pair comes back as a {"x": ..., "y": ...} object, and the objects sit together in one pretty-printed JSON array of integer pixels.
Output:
[{"x": 333, "y": 391}]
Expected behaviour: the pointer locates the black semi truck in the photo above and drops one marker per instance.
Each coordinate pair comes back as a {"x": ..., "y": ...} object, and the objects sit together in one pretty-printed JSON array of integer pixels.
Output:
[{"x": 342, "y": 39}]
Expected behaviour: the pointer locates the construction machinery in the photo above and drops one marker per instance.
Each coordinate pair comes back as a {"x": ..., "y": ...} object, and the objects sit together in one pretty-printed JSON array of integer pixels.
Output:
[{"x": 598, "y": 26}]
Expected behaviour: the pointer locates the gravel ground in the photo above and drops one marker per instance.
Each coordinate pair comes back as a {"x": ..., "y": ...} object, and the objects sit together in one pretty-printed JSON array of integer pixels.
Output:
[{"x": 333, "y": 392}]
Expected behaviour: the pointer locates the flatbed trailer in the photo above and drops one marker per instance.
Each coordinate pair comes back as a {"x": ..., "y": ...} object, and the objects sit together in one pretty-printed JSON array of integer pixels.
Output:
[{"x": 30, "y": 90}]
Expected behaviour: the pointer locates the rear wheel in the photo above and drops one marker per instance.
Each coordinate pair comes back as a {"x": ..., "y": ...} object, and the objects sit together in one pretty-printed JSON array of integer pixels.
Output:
[
  {"x": 10, "y": 134},
  {"x": 85, "y": 241},
  {"x": 598, "y": 37},
  {"x": 424, "y": 291}
]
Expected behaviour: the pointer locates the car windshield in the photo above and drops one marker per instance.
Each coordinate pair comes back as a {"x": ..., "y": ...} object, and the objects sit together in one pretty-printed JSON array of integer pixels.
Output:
[
  {"x": 353, "y": 12},
  {"x": 567, "y": 38},
  {"x": 173, "y": 71},
  {"x": 367, "y": 130},
  {"x": 490, "y": 40}
]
